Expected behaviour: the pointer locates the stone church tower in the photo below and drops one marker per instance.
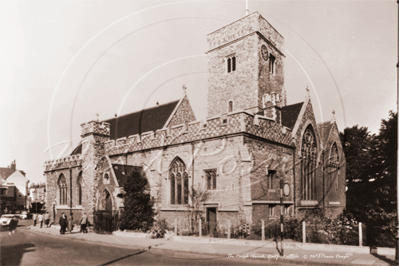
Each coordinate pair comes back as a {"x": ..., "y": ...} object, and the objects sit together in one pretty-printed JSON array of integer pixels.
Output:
[{"x": 246, "y": 70}]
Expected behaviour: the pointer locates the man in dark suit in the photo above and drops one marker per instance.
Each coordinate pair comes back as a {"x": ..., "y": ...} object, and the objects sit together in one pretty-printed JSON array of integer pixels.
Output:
[{"x": 63, "y": 223}]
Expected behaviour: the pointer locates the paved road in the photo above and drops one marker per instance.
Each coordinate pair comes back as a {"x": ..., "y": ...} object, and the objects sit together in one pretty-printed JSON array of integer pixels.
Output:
[{"x": 27, "y": 247}]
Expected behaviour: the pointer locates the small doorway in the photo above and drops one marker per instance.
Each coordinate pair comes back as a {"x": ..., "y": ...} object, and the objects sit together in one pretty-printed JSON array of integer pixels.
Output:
[{"x": 211, "y": 219}]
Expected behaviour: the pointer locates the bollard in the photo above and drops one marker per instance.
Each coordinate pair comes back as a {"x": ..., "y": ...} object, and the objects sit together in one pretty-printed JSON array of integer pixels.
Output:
[
  {"x": 360, "y": 235},
  {"x": 176, "y": 226},
  {"x": 263, "y": 230},
  {"x": 228, "y": 229},
  {"x": 200, "y": 227},
  {"x": 303, "y": 232}
]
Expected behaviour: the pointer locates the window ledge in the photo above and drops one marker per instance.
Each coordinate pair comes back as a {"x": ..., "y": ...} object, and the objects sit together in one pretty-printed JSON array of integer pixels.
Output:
[
  {"x": 176, "y": 208},
  {"x": 66, "y": 207},
  {"x": 272, "y": 190},
  {"x": 309, "y": 202}
]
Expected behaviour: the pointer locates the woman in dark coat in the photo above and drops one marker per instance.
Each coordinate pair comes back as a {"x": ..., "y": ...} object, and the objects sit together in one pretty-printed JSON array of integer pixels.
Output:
[{"x": 63, "y": 223}]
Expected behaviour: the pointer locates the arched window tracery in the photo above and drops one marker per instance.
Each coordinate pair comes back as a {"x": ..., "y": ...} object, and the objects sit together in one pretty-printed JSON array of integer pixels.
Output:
[
  {"x": 63, "y": 190},
  {"x": 309, "y": 165},
  {"x": 178, "y": 182},
  {"x": 79, "y": 188},
  {"x": 334, "y": 157}
]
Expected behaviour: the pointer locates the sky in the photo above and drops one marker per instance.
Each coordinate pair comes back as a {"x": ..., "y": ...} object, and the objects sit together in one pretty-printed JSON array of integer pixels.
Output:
[{"x": 64, "y": 62}]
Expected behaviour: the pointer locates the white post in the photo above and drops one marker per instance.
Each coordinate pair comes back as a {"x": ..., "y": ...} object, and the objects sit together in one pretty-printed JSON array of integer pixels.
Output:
[
  {"x": 200, "y": 227},
  {"x": 360, "y": 235},
  {"x": 303, "y": 232},
  {"x": 228, "y": 229},
  {"x": 263, "y": 230}
]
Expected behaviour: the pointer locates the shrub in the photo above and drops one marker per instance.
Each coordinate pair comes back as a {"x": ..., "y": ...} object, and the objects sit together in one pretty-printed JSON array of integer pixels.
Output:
[
  {"x": 242, "y": 230},
  {"x": 159, "y": 229},
  {"x": 138, "y": 213}
]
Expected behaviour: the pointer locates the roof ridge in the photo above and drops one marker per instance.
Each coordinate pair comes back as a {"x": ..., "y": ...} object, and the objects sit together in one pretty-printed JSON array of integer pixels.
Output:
[
  {"x": 293, "y": 104},
  {"x": 150, "y": 108}
]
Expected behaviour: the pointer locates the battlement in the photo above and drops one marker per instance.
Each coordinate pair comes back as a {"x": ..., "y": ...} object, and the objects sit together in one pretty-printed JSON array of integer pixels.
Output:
[
  {"x": 65, "y": 162},
  {"x": 227, "y": 124},
  {"x": 251, "y": 23},
  {"x": 96, "y": 127}
]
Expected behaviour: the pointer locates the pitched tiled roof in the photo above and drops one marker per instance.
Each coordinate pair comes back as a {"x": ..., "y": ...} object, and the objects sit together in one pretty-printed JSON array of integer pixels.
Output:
[
  {"x": 145, "y": 120},
  {"x": 122, "y": 172},
  {"x": 289, "y": 114},
  {"x": 324, "y": 131},
  {"x": 5, "y": 172},
  {"x": 77, "y": 150}
]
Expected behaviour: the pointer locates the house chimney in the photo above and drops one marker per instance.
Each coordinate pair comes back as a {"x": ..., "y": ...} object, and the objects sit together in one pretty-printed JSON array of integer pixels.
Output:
[{"x": 13, "y": 165}]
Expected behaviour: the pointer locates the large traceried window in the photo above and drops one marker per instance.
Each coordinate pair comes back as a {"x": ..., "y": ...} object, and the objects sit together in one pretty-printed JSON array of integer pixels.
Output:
[
  {"x": 334, "y": 158},
  {"x": 178, "y": 182},
  {"x": 309, "y": 159},
  {"x": 79, "y": 188},
  {"x": 63, "y": 190}
]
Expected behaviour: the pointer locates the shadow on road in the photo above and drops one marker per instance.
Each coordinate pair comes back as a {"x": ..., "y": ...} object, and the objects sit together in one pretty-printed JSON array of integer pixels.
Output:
[
  {"x": 11, "y": 255},
  {"x": 125, "y": 257},
  {"x": 384, "y": 258}
]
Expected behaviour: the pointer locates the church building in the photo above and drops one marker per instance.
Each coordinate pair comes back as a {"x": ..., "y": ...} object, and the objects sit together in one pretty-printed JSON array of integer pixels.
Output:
[{"x": 251, "y": 144}]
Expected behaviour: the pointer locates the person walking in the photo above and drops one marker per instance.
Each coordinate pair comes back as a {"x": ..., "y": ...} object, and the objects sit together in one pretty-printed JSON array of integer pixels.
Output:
[
  {"x": 70, "y": 224},
  {"x": 34, "y": 217},
  {"x": 63, "y": 223},
  {"x": 40, "y": 218},
  {"x": 12, "y": 225},
  {"x": 83, "y": 223},
  {"x": 47, "y": 219}
]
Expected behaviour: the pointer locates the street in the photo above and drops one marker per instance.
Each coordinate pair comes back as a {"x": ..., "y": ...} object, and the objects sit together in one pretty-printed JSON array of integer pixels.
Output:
[{"x": 26, "y": 247}]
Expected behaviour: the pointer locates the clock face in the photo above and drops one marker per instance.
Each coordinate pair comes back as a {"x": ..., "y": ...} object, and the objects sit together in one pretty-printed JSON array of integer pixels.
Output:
[
  {"x": 286, "y": 189},
  {"x": 265, "y": 53}
]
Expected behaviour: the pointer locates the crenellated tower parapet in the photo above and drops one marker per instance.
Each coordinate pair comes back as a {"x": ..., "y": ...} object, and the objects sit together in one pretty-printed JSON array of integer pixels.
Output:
[
  {"x": 62, "y": 163},
  {"x": 239, "y": 122},
  {"x": 96, "y": 128}
]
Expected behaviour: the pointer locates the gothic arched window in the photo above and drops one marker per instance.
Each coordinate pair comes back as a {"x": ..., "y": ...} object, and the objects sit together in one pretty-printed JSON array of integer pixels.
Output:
[
  {"x": 79, "y": 186},
  {"x": 309, "y": 159},
  {"x": 334, "y": 158},
  {"x": 178, "y": 182},
  {"x": 63, "y": 189}
]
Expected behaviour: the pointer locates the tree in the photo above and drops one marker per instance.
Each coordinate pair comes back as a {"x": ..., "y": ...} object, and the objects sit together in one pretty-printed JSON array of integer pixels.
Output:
[
  {"x": 371, "y": 171},
  {"x": 385, "y": 163},
  {"x": 138, "y": 213},
  {"x": 357, "y": 144},
  {"x": 198, "y": 196}
]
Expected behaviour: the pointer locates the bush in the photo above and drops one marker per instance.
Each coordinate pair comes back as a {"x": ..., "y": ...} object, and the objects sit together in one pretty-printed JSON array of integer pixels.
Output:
[
  {"x": 138, "y": 213},
  {"x": 159, "y": 229},
  {"x": 242, "y": 230}
]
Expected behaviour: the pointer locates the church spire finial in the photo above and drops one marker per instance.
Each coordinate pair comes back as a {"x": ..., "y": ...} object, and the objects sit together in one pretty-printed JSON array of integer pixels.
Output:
[
  {"x": 333, "y": 116},
  {"x": 97, "y": 114},
  {"x": 246, "y": 8},
  {"x": 307, "y": 95},
  {"x": 185, "y": 90}
]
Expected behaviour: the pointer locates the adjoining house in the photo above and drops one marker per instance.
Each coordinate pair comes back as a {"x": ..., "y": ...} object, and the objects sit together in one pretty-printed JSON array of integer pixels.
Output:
[
  {"x": 251, "y": 144},
  {"x": 14, "y": 189}
]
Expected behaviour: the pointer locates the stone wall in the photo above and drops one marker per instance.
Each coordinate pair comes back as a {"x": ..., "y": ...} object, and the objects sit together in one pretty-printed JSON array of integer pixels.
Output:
[
  {"x": 53, "y": 193},
  {"x": 236, "y": 122},
  {"x": 242, "y": 27},
  {"x": 184, "y": 114},
  {"x": 239, "y": 86},
  {"x": 252, "y": 78}
]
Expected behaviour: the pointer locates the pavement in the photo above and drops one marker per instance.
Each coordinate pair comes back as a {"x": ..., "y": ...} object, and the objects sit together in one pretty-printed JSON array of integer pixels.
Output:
[{"x": 243, "y": 251}]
